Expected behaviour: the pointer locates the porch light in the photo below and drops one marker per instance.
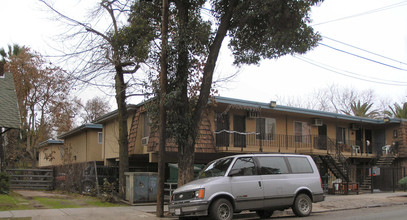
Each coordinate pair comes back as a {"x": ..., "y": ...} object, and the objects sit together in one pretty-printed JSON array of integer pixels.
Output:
[{"x": 273, "y": 104}]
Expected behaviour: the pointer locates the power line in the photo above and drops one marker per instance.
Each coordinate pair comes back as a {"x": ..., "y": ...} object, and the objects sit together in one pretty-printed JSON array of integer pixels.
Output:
[
  {"x": 351, "y": 74},
  {"x": 376, "y": 54},
  {"x": 361, "y": 57},
  {"x": 403, "y": 3}
]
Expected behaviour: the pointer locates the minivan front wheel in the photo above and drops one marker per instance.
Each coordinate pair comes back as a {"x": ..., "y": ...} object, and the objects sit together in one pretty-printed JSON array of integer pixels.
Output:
[
  {"x": 302, "y": 205},
  {"x": 221, "y": 209}
]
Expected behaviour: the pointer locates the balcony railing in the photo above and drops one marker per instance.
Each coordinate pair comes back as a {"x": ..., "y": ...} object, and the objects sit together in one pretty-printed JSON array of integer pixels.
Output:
[{"x": 294, "y": 143}]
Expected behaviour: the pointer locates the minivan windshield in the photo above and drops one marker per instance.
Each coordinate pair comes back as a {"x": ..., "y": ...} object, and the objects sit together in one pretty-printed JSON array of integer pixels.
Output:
[{"x": 215, "y": 168}]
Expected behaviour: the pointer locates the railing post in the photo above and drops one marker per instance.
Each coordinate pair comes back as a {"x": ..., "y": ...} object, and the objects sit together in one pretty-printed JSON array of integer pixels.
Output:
[{"x": 371, "y": 179}]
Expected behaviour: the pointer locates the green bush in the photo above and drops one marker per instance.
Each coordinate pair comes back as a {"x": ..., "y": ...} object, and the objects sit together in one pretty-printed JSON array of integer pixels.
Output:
[
  {"x": 403, "y": 182},
  {"x": 4, "y": 183}
]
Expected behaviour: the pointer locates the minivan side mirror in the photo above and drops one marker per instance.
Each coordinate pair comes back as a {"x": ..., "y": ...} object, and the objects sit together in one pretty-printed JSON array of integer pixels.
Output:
[{"x": 234, "y": 172}]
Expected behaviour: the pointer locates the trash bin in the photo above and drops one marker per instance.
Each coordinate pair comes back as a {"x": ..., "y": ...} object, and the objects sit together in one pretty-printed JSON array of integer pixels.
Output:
[{"x": 141, "y": 187}]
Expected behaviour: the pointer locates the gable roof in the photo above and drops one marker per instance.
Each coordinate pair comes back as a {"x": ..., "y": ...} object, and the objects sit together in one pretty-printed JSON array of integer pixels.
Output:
[{"x": 9, "y": 112}]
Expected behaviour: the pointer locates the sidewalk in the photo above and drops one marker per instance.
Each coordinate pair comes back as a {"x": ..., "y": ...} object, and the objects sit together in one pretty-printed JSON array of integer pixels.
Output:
[
  {"x": 367, "y": 200},
  {"x": 146, "y": 212}
]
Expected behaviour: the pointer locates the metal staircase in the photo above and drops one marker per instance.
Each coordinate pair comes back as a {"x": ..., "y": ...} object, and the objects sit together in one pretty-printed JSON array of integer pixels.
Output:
[
  {"x": 385, "y": 160},
  {"x": 336, "y": 162},
  {"x": 366, "y": 184},
  {"x": 339, "y": 169}
]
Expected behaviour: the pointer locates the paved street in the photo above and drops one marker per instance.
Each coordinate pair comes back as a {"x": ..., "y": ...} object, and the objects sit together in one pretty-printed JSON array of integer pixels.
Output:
[
  {"x": 339, "y": 205},
  {"x": 378, "y": 213}
]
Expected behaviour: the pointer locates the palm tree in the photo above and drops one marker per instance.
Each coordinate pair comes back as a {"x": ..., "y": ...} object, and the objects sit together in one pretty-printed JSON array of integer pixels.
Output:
[
  {"x": 5, "y": 57},
  {"x": 362, "y": 110},
  {"x": 12, "y": 51},
  {"x": 398, "y": 111}
]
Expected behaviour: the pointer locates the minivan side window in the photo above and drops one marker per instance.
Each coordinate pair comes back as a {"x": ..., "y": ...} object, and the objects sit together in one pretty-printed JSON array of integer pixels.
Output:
[
  {"x": 300, "y": 165},
  {"x": 272, "y": 165},
  {"x": 244, "y": 166}
]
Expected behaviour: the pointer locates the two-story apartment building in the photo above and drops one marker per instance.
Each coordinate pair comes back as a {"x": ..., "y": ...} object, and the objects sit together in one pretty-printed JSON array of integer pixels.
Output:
[{"x": 340, "y": 144}]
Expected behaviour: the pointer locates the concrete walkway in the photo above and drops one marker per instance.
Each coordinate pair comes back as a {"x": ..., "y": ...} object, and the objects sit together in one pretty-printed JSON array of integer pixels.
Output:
[{"x": 146, "y": 212}]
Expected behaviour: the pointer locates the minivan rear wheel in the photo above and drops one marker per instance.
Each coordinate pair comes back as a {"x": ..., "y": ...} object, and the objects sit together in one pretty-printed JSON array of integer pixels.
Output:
[
  {"x": 302, "y": 205},
  {"x": 221, "y": 209},
  {"x": 264, "y": 213}
]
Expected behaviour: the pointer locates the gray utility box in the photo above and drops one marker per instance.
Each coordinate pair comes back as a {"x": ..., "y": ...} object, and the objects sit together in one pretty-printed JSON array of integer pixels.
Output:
[{"x": 141, "y": 186}]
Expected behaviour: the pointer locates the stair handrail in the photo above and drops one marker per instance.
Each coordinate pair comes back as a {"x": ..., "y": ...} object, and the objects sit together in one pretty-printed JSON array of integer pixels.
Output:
[{"x": 339, "y": 156}]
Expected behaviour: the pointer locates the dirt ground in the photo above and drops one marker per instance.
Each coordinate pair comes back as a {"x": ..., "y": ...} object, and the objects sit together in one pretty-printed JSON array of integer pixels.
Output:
[{"x": 29, "y": 195}]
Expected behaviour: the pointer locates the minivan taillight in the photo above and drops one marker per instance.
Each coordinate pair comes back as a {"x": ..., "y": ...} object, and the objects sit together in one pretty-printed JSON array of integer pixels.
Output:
[{"x": 321, "y": 183}]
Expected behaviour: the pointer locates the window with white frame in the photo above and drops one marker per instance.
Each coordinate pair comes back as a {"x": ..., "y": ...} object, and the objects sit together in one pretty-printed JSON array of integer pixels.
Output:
[
  {"x": 100, "y": 137},
  {"x": 266, "y": 128}
]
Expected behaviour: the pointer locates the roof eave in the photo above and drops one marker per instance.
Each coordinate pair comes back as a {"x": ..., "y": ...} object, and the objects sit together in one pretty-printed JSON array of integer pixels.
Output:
[{"x": 79, "y": 129}]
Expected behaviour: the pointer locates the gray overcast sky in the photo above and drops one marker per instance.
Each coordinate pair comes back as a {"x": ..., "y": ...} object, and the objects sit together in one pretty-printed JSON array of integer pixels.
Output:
[{"x": 378, "y": 26}]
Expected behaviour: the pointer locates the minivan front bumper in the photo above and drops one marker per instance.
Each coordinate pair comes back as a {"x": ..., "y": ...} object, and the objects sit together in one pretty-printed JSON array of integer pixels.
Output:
[{"x": 192, "y": 208}]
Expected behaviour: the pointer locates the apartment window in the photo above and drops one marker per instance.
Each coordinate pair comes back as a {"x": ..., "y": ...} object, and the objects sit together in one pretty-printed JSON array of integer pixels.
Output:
[
  {"x": 100, "y": 137},
  {"x": 302, "y": 132},
  {"x": 341, "y": 135},
  {"x": 266, "y": 128}
]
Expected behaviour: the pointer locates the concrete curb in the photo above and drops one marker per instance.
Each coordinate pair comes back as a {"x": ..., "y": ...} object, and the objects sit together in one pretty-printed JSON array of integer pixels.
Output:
[{"x": 147, "y": 211}]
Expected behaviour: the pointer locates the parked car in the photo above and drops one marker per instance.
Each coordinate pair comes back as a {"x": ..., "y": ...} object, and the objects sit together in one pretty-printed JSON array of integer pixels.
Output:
[{"x": 254, "y": 182}]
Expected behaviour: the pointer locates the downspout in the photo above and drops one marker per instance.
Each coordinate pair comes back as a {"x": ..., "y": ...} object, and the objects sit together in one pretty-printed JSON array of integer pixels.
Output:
[
  {"x": 261, "y": 135},
  {"x": 286, "y": 134},
  {"x": 86, "y": 146}
]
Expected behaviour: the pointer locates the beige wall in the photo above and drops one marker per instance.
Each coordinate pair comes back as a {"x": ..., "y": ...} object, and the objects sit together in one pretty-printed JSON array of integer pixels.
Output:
[
  {"x": 83, "y": 147},
  {"x": 50, "y": 155},
  {"x": 389, "y": 134},
  {"x": 110, "y": 148}
]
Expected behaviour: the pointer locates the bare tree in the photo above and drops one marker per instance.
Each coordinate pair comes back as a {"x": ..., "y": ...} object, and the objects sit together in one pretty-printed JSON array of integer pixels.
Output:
[
  {"x": 337, "y": 99},
  {"x": 42, "y": 93},
  {"x": 116, "y": 51},
  {"x": 94, "y": 108}
]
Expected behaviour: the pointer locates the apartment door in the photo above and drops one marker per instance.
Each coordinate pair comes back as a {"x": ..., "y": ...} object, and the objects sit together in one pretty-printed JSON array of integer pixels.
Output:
[
  {"x": 239, "y": 126},
  {"x": 368, "y": 141},
  {"x": 379, "y": 140},
  {"x": 359, "y": 139},
  {"x": 322, "y": 137},
  {"x": 222, "y": 130}
]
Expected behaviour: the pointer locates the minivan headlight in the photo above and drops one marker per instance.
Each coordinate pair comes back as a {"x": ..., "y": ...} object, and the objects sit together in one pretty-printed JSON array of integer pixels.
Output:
[{"x": 200, "y": 194}]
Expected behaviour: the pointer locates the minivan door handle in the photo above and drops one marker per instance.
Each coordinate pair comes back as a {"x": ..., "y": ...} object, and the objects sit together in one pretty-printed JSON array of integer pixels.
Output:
[{"x": 260, "y": 184}]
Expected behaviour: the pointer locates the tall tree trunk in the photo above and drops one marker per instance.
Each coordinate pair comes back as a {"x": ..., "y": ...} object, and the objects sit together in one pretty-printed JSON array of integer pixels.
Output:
[
  {"x": 123, "y": 140},
  {"x": 186, "y": 158},
  {"x": 185, "y": 151},
  {"x": 163, "y": 114}
]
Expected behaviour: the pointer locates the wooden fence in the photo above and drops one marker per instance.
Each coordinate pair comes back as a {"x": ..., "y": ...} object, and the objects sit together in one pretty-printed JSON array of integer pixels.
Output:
[{"x": 31, "y": 178}]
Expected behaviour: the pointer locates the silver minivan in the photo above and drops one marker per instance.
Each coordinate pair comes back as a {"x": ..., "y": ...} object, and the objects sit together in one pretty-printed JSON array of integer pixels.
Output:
[{"x": 254, "y": 182}]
